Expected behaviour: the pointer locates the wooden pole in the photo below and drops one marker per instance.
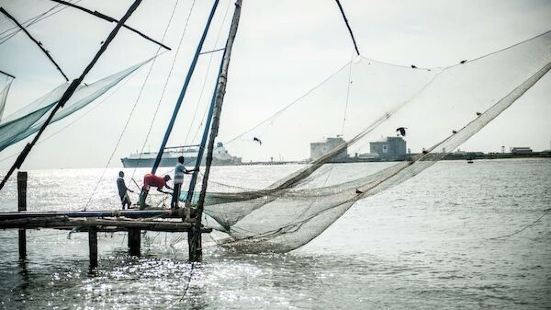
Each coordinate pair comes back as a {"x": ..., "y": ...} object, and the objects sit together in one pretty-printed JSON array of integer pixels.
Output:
[
  {"x": 93, "y": 214},
  {"x": 134, "y": 241},
  {"x": 93, "y": 246},
  {"x": 22, "y": 206},
  {"x": 183, "y": 91},
  {"x": 194, "y": 237},
  {"x": 38, "y": 43}
]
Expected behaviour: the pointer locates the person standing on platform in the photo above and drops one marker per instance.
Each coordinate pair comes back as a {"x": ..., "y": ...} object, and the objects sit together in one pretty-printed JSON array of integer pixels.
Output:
[
  {"x": 123, "y": 191},
  {"x": 150, "y": 180},
  {"x": 179, "y": 172}
]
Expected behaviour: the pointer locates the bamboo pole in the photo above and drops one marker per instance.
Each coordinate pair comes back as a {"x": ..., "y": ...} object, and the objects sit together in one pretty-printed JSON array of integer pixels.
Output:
[
  {"x": 111, "y": 20},
  {"x": 183, "y": 91},
  {"x": 35, "y": 41},
  {"x": 194, "y": 236}
]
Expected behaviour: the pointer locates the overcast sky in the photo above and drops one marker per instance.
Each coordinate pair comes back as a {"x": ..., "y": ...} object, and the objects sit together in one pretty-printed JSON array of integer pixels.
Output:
[{"x": 283, "y": 49}]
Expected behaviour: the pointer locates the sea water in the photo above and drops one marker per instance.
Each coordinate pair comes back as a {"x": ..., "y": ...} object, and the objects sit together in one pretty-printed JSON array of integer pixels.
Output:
[{"x": 456, "y": 236}]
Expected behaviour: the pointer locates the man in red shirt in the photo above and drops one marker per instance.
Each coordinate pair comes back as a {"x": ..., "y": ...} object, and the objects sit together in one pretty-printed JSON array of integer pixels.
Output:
[{"x": 150, "y": 180}]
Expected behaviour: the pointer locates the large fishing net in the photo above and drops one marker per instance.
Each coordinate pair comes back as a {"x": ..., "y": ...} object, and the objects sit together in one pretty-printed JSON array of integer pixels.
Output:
[
  {"x": 28, "y": 120},
  {"x": 5, "y": 83},
  {"x": 365, "y": 101}
]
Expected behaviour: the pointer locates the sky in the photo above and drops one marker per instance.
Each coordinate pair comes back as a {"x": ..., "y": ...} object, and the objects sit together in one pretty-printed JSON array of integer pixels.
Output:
[{"x": 283, "y": 49}]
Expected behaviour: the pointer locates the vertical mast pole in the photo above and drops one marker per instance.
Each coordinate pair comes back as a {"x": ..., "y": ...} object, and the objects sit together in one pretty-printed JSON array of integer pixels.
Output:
[
  {"x": 195, "y": 241},
  {"x": 70, "y": 91},
  {"x": 184, "y": 90},
  {"x": 204, "y": 139}
]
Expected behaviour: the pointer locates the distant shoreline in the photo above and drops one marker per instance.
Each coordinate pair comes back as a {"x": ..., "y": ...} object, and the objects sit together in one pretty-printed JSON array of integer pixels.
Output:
[{"x": 450, "y": 156}]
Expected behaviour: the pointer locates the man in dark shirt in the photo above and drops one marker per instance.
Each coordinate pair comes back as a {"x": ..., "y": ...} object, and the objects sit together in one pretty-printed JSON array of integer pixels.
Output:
[{"x": 123, "y": 191}]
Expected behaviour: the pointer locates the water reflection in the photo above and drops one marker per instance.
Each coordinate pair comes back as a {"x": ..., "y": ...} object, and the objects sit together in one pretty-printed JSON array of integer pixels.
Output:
[{"x": 423, "y": 245}]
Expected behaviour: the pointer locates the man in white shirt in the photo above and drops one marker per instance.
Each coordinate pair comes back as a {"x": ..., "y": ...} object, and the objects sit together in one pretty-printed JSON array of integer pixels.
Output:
[{"x": 179, "y": 172}]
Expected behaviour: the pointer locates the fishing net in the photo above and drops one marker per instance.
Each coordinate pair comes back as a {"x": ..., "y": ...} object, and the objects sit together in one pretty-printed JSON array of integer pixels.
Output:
[
  {"x": 5, "y": 83},
  {"x": 364, "y": 102},
  {"x": 28, "y": 120}
]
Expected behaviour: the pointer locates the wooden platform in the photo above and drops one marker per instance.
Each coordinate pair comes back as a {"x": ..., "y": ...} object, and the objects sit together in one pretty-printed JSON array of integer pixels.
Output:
[
  {"x": 100, "y": 224},
  {"x": 132, "y": 222}
]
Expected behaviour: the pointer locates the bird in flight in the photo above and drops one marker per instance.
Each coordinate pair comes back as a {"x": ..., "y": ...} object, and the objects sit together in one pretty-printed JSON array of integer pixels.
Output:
[
  {"x": 402, "y": 131},
  {"x": 257, "y": 140}
]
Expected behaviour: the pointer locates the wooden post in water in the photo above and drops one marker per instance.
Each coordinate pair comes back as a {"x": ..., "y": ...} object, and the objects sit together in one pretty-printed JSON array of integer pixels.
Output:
[
  {"x": 93, "y": 246},
  {"x": 195, "y": 251},
  {"x": 134, "y": 241},
  {"x": 22, "y": 206}
]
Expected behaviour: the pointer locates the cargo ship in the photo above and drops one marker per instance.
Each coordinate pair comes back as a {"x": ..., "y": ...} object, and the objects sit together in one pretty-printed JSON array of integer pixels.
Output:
[{"x": 220, "y": 155}]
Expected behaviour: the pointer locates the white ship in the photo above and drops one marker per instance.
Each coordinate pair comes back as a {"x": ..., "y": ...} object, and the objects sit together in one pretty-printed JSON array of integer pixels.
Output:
[{"x": 220, "y": 157}]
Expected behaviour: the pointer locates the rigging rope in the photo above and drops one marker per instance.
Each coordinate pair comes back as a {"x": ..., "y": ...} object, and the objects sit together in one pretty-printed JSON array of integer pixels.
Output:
[
  {"x": 188, "y": 281},
  {"x": 129, "y": 118},
  {"x": 280, "y": 111},
  {"x": 205, "y": 83},
  {"x": 460, "y": 62},
  {"x": 31, "y": 21},
  {"x": 184, "y": 88},
  {"x": 165, "y": 85},
  {"x": 440, "y": 69},
  {"x": 545, "y": 212},
  {"x": 348, "y": 86},
  {"x": 121, "y": 134}
]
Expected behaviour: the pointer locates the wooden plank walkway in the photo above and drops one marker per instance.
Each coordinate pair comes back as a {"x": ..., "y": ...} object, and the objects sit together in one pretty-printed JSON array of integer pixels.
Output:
[
  {"x": 131, "y": 221},
  {"x": 100, "y": 224}
]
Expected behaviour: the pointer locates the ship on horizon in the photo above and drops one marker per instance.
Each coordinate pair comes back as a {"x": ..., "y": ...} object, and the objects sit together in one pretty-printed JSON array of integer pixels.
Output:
[{"x": 220, "y": 157}]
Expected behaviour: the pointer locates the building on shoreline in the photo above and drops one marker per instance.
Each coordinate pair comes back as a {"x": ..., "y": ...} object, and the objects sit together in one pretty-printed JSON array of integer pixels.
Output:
[
  {"x": 392, "y": 148},
  {"x": 318, "y": 149}
]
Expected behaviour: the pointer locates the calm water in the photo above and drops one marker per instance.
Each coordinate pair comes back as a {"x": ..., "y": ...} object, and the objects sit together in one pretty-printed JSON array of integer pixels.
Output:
[{"x": 427, "y": 243}]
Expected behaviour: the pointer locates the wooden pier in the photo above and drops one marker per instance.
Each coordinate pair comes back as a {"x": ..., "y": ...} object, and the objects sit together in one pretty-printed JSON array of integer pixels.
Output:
[{"x": 92, "y": 222}]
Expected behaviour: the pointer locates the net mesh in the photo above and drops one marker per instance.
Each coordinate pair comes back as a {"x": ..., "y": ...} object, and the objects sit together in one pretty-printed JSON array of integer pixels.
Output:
[
  {"x": 441, "y": 108},
  {"x": 5, "y": 83},
  {"x": 28, "y": 120}
]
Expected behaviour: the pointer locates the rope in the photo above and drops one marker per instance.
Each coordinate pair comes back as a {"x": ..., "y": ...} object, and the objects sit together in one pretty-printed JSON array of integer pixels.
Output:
[
  {"x": 347, "y": 96},
  {"x": 188, "y": 281},
  {"x": 31, "y": 21},
  {"x": 165, "y": 84},
  {"x": 280, "y": 111},
  {"x": 545, "y": 212},
  {"x": 205, "y": 82},
  {"x": 120, "y": 136},
  {"x": 133, "y": 109},
  {"x": 441, "y": 69},
  {"x": 456, "y": 64}
]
